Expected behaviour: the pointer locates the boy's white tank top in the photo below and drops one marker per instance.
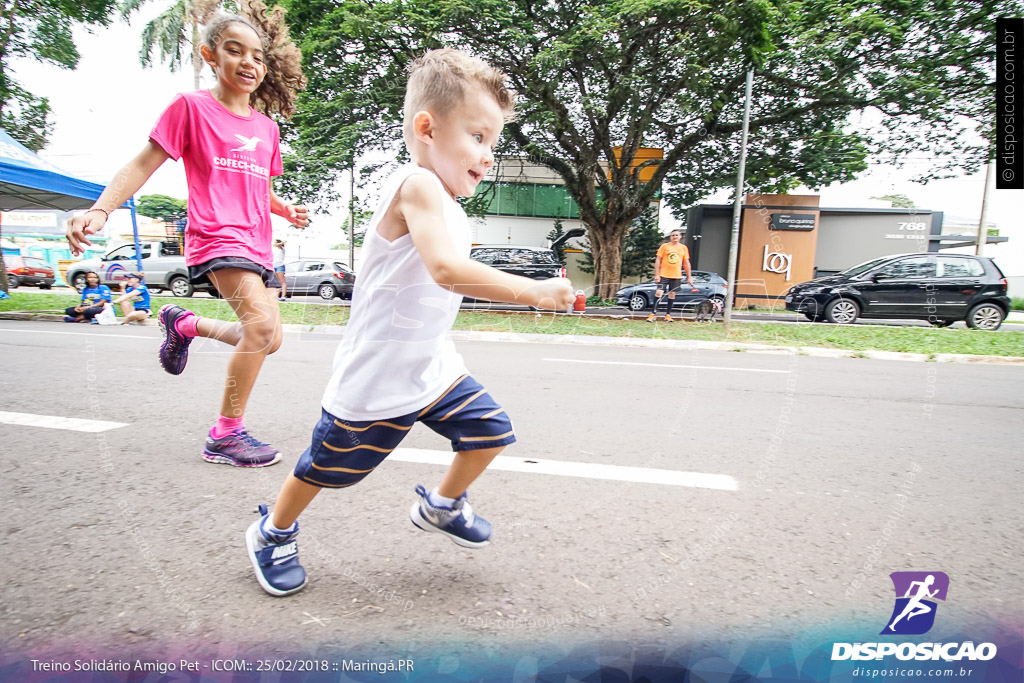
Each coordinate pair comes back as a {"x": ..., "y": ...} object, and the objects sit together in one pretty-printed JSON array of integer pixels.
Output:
[{"x": 397, "y": 356}]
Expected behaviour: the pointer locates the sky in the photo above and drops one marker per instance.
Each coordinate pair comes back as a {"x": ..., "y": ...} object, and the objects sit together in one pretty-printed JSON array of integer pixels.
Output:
[{"x": 105, "y": 109}]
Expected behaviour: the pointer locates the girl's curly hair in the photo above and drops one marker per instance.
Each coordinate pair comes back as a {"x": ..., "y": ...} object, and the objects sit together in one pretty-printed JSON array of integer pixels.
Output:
[{"x": 279, "y": 89}]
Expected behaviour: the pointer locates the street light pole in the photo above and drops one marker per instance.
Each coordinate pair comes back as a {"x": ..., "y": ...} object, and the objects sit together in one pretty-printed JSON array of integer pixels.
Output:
[
  {"x": 979, "y": 245},
  {"x": 352, "y": 216},
  {"x": 737, "y": 208}
]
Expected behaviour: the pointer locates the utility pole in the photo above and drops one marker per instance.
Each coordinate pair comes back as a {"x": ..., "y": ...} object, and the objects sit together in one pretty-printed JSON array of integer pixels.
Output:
[
  {"x": 979, "y": 246},
  {"x": 737, "y": 208},
  {"x": 352, "y": 215}
]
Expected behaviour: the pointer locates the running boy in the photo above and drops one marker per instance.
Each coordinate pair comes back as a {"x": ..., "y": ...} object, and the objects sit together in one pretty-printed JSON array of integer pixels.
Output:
[
  {"x": 396, "y": 365},
  {"x": 230, "y": 151}
]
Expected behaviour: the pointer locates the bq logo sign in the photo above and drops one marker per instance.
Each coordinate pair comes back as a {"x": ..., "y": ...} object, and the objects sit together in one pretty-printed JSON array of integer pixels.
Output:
[{"x": 916, "y": 592}]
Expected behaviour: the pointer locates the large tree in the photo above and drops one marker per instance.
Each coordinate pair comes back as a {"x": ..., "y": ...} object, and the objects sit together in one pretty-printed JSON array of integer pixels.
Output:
[
  {"x": 39, "y": 30},
  {"x": 175, "y": 32},
  {"x": 601, "y": 79}
]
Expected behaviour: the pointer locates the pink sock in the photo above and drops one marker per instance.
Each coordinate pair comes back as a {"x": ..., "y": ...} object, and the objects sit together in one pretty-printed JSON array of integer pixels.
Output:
[
  {"x": 186, "y": 324},
  {"x": 224, "y": 426}
]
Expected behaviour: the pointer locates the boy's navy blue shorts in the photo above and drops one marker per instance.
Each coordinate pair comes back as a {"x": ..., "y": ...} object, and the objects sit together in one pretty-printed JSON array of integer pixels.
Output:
[{"x": 342, "y": 452}]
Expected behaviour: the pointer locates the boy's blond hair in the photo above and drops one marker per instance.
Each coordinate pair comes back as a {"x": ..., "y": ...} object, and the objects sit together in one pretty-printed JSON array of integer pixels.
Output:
[{"x": 438, "y": 82}]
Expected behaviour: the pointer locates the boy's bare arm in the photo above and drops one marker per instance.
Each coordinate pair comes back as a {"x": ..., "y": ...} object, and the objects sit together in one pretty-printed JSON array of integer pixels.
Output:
[
  {"x": 125, "y": 184},
  {"x": 418, "y": 205}
]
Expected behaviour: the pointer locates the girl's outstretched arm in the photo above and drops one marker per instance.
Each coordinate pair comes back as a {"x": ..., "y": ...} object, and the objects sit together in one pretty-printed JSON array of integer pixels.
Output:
[
  {"x": 125, "y": 184},
  {"x": 297, "y": 214}
]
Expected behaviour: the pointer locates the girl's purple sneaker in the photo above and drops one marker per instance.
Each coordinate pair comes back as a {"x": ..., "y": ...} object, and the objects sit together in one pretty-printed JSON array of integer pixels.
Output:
[
  {"x": 174, "y": 348},
  {"x": 240, "y": 450}
]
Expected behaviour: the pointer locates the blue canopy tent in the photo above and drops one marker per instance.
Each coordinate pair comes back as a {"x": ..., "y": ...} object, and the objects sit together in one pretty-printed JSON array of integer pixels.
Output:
[{"x": 29, "y": 182}]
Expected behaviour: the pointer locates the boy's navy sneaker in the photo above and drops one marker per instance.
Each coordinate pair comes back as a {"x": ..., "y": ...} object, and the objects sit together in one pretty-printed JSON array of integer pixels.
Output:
[
  {"x": 174, "y": 348},
  {"x": 275, "y": 557},
  {"x": 457, "y": 522},
  {"x": 240, "y": 450}
]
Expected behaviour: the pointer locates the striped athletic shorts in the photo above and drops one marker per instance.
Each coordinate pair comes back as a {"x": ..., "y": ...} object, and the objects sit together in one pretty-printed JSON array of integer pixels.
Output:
[{"x": 342, "y": 452}]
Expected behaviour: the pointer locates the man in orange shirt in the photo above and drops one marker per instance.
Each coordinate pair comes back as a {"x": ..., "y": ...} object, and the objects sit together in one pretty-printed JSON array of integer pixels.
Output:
[{"x": 672, "y": 258}]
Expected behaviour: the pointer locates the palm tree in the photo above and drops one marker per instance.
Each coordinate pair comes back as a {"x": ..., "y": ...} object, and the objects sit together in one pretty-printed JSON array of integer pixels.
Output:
[{"x": 174, "y": 30}]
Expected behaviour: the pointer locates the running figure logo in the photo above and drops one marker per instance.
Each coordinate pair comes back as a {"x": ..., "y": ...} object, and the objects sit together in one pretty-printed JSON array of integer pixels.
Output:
[{"x": 914, "y": 612}]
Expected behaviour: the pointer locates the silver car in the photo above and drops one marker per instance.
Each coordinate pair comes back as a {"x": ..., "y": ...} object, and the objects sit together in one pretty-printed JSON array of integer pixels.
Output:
[
  {"x": 163, "y": 265},
  {"x": 323, "y": 276}
]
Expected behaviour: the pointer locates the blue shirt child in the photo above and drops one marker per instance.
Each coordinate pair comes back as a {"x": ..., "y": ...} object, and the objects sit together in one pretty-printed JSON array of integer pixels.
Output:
[
  {"x": 141, "y": 297},
  {"x": 92, "y": 296}
]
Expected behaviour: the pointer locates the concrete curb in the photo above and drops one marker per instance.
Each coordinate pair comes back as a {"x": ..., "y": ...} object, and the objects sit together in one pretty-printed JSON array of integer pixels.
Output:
[{"x": 583, "y": 340}]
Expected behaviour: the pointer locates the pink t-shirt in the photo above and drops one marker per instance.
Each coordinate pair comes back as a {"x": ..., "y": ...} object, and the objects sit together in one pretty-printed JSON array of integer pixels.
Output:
[{"x": 229, "y": 160}]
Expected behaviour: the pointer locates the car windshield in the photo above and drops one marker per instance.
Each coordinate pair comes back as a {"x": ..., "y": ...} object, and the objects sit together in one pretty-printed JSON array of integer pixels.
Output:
[{"x": 864, "y": 267}]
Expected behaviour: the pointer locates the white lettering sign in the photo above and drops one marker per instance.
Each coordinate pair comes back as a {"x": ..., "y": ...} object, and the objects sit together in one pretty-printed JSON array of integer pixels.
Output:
[{"x": 774, "y": 262}]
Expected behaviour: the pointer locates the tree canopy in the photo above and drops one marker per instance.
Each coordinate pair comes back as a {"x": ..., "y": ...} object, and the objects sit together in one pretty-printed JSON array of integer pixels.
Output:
[
  {"x": 599, "y": 80},
  {"x": 39, "y": 30},
  {"x": 162, "y": 207}
]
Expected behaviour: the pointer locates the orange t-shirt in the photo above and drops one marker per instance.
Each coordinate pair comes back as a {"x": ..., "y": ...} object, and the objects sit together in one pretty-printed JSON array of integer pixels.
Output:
[{"x": 672, "y": 257}]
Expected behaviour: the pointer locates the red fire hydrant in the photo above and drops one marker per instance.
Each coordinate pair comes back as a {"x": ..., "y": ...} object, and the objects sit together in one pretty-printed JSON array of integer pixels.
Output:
[{"x": 580, "y": 305}]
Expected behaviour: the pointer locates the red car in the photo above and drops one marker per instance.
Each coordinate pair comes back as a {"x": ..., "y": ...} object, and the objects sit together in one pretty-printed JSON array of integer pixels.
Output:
[{"x": 28, "y": 270}]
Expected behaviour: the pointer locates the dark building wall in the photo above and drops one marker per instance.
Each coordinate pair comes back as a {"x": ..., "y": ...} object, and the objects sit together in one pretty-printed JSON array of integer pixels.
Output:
[
  {"x": 844, "y": 240},
  {"x": 712, "y": 246}
]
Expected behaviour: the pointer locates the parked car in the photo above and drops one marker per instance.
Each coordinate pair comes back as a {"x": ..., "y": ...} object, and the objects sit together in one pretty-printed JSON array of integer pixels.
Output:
[
  {"x": 939, "y": 288},
  {"x": 536, "y": 263},
  {"x": 706, "y": 285},
  {"x": 28, "y": 270},
  {"x": 163, "y": 264},
  {"x": 326, "y": 277}
]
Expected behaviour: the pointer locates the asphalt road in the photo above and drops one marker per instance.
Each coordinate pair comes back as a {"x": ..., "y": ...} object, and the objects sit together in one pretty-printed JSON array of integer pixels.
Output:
[{"x": 842, "y": 471}]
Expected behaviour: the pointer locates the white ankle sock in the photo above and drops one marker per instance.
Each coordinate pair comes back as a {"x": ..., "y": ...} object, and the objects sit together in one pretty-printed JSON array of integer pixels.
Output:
[
  {"x": 437, "y": 500},
  {"x": 271, "y": 529}
]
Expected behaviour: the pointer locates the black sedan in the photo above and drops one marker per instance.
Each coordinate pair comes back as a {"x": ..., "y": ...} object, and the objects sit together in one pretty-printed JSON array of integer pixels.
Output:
[
  {"x": 706, "y": 285},
  {"x": 939, "y": 288}
]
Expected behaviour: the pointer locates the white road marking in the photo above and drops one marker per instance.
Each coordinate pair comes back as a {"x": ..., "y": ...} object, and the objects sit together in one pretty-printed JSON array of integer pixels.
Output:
[
  {"x": 73, "y": 424},
  {"x": 584, "y": 470},
  {"x": 80, "y": 334},
  {"x": 662, "y": 365}
]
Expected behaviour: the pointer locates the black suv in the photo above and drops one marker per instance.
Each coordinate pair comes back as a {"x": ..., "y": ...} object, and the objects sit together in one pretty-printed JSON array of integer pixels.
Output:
[
  {"x": 537, "y": 263},
  {"x": 939, "y": 288}
]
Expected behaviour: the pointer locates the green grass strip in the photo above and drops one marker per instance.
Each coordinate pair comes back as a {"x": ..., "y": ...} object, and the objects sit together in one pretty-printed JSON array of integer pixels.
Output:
[{"x": 924, "y": 340}]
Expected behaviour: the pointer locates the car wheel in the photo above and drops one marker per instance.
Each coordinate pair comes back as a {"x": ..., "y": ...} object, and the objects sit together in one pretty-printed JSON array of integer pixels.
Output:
[
  {"x": 941, "y": 323},
  {"x": 78, "y": 281},
  {"x": 180, "y": 286},
  {"x": 985, "y": 317},
  {"x": 842, "y": 311},
  {"x": 637, "y": 301},
  {"x": 12, "y": 282},
  {"x": 327, "y": 292}
]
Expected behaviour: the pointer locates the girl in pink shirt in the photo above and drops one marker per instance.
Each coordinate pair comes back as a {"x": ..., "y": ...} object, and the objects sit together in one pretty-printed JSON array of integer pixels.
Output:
[{"x": 230, "y": 152}]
